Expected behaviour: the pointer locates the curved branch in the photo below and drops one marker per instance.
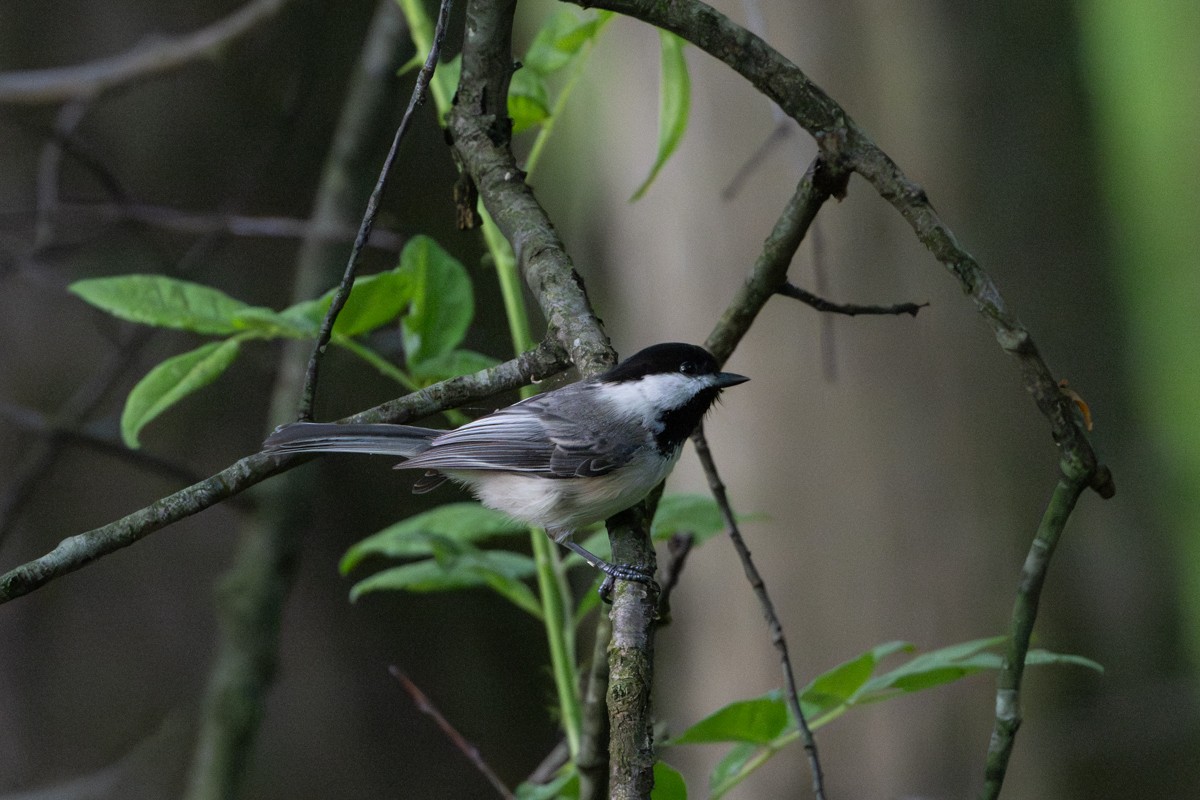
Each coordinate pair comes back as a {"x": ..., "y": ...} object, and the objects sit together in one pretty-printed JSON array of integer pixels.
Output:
[
  {"x": 846, "y": 146},
  {"x": 60, "y": 84},
  {"x": 78, "y": 551}
]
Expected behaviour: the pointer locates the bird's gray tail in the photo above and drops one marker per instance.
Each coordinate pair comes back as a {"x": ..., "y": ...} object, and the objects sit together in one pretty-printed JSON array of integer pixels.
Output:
[{"x": 321, "y": 437}]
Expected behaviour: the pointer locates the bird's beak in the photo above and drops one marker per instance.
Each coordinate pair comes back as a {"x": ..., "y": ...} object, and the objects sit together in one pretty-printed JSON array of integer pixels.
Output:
[{"x": 727, "y": 379}]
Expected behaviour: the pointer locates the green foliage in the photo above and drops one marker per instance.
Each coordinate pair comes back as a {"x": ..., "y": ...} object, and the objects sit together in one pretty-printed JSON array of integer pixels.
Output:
[
  {"x": 173, "y": 380},
  {"x": 429, "y": 290},
  {"x": 674, "y": 104},
  {"x": 444, "y": 540},
  {"x": 500, "y": 570},
  {"x": 759, "y": 727},
  {"x": 668, "y": 783},
  {"x": 164, "y": 302},
  {"x": 565, "y": 787},
  {"x": 467, "y": 523}
]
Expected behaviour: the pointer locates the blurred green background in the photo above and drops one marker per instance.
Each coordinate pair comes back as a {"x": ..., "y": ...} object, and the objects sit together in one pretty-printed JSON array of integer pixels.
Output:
[{"x": 900, "y": 464}]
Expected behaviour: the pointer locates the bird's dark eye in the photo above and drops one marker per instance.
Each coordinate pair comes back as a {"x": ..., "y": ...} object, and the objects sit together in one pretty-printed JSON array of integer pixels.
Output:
[{"x": 689, "y": 368}]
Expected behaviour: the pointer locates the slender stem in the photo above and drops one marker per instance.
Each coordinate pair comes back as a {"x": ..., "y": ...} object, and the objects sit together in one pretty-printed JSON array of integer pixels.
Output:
[
  {"x": 368, "y": 220},
  {"x": 560, "y": 102},
  {"x": 426, "y": 706},
  {"x": 849, "y": 309},
  {"x": 717, "y": 486},
  {"x": 1024, "y": 614}
]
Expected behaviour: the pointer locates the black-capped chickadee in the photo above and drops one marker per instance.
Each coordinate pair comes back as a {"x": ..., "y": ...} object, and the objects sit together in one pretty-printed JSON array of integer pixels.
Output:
[{"x": 561, "y": 460}]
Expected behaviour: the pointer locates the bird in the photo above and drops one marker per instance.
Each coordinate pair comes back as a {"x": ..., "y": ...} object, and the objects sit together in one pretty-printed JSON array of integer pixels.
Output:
[{"x": 561, "y": 460}]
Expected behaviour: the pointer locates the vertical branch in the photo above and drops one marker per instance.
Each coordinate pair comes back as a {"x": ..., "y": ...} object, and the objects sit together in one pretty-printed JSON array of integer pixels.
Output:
[
  {"x": 631, "y": 663},
  {"x": 1024, "y": 614},
  {"x": 592, "y": 761},
  {"x": 308, "y": 397}
]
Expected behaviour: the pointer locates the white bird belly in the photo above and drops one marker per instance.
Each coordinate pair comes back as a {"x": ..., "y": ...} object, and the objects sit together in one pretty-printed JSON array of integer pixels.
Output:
[{"x": 566, "y": 503}]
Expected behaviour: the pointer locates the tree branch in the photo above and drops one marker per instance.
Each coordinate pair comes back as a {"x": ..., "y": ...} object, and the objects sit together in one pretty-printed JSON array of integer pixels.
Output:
[
  {"x": 426, "y": 706},
  {"x": 481, "y": 133},
  {"x": 1024, "y": 614},
  {"x": 61, "y": 84},
  {"x": 252, "y": 593},
  {"x": 846, "y": 146},
  {"x": 78, "y": 551},
  {"x": 849, "y": 309},
  {"x": 769, "y": 273}
]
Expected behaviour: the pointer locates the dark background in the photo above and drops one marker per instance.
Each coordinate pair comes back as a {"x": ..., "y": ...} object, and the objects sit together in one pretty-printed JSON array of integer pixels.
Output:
[{"x": 900, "y": 465}]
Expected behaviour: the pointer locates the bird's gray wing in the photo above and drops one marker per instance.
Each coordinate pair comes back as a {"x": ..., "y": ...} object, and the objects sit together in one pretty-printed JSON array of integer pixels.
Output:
[{"x": 533, "y": 437}]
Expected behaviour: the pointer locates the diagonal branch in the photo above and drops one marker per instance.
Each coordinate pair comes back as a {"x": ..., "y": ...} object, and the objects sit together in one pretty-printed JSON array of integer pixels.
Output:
[
  {"x": 717, "y": 486},
  {"x": 80, "y": 550},
  {"x": 60, "y": 84},
  {"x": 846, "y": 146}
]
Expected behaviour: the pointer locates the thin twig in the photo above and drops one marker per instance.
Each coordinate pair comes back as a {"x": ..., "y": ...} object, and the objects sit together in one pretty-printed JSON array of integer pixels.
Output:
[
  {"x": 60, "y": 84},
  {"x": 760, "y": 591},
  {"x": 244, "y": 225},
  {"x": 778, "y": 135},
  {"x": 426, "y": 706},
  {"x": 769, "y": 272},
  {"x": 53, "y": 431},
  {"x": 846, "y": 146},
  {"x": 592, "y": 761},
  {"x": 849, "y": 309},
  {"x": 679, "y": 547},
  {"x": 50, "y": 169},
  {"x": 368, "y": 220}
]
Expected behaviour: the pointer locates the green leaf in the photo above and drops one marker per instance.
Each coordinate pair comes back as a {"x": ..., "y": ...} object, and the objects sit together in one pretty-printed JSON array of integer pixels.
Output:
[
  {"x": 445, "y": 82},
  {"x": 934, "y": 668},
  {"x": 757, "y": 721},
  {"x": 466, "y": 523},
  {"x": 559, "y": 40},
  {"x": 840, "y": 684},
  {"x": 674, "y": 103},
  {"x": 493, "y": 569},
  {"x": 742, "y": 759},
  {"x": 267, "y": 323},
  {"x": 451, "y": 365},
  {"x": 528, "y": 100},
  {"x": 668, "y": 783},
  {"x": 565, "y": 786},
  {"x": 1044, "y": 657},
  {"x": 749, "y": 723},
  {"x": 374, "y": 301},
  {"x": 442, "y": 301},
  {"x": 163, "y": 302},
  {"x": 694, "y": 513},
  {"x": 171, "y": 381}
]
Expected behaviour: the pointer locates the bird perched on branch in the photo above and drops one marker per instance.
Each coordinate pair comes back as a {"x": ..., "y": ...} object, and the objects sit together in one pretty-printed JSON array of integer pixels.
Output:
[{"x": 561, "y": 460}]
